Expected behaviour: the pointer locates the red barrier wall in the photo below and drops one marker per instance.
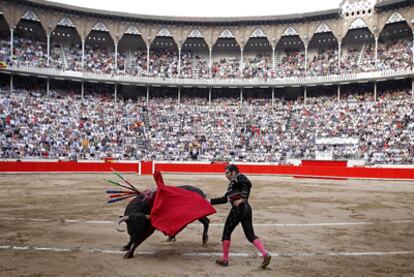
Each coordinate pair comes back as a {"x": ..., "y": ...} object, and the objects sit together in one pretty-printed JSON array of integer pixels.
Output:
[
  {"x": 191, "y": 167},
  {"x": 66, "y": 166},
  {"x": 290, "y": 170},
  {"x": 146, "y": 167},
  {"x": 324, "y": 163},
  {"x": 322, "y": 171}
]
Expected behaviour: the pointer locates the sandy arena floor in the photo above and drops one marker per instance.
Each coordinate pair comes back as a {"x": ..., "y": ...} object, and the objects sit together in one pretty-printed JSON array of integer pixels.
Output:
[{"x": 60, "y": 225}]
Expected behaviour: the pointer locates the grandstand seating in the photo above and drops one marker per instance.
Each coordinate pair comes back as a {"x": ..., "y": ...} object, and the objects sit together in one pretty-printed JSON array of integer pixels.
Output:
[
  {"x": 65, "y": 126},
  {"x": 57, "y": 123}
]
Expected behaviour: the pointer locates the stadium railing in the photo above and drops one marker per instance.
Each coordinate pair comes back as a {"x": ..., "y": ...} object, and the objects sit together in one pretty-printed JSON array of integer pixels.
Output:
[{"x": 314, "y": 80}]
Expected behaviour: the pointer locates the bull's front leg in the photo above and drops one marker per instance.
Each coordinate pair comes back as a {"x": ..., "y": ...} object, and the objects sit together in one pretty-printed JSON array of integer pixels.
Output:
[
  {"x": 138, "y": 237},
  {"x": 171, "y": 239}
]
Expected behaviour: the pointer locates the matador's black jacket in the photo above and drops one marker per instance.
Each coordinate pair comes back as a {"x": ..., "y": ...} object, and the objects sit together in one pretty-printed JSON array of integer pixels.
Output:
[{"x": 237, "y": 188}]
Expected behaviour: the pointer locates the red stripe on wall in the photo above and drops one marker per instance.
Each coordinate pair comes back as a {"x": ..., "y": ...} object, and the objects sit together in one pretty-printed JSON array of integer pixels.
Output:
[
  {"x": 191, "y": 167},
  {"x": 290, "y": 170},
  {"x": 84, "y": 167},
  {"x": 324, "y": 163},
  {"x": 147, "y": 167}
]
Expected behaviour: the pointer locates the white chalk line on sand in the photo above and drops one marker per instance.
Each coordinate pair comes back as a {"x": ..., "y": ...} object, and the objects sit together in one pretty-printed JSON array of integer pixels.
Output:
[
  {"x": 205, "y": 254},
  {"x": 320, "y": 224}
]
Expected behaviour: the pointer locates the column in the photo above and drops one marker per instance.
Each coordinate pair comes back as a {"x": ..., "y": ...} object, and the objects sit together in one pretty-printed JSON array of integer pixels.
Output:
[
  {"x": 116, "y": 93},
  {"x": 179, "y": 61},
  {"x": 306, "y": 60},
  {"x": 210, "y": 61},
  {"x": 116, "y": 58},
  {"x": 413, "y": 52},
  {"x": 179, "y": 96},
  {"x": 241, "y": 62},
  {"x": 82, "y": 90},
  {"x": 304, "y": 95},
  {"x": 339, "y": 55},
  {"x": 11, "y": 84},
  {"x": 11, "y": 43},
  {"x": 209, "y": 96},
  {"x": 83, "y": 54},
  {"x": 273, "y": 58},
  {"x": 412, "y": 89},
  {"x": 376, "y": 51},
  {"x": 241, "y": 96},
  {"x": 148, "y": 62},
  {"x": 48, "y": 50},
  {"x": 375, "y": 92},
  {"x": 339, "y": 92},
  {"x": 273, "y": 96},
  {"x": 48, "y": 87}
]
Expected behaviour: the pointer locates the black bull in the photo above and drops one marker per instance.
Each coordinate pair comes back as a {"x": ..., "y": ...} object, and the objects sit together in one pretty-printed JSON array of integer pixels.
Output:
[{"x": 139, "y": 226}]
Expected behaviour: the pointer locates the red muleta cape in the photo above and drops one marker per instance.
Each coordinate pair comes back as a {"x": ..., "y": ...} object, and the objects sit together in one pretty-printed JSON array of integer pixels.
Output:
[{"x": 174, "y": 208}]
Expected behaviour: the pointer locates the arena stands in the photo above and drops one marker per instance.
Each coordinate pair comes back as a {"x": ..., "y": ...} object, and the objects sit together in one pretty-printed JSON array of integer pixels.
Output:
[
  {"x": 285, "y": 88},
  {"x": 62, "y": 125}
]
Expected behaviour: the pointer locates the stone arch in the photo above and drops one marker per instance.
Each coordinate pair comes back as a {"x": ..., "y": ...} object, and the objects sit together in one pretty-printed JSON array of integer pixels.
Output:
[
  {"x": 323, "y": 28},
  {"x": 290, "y": 31},
  {"x": 258, "y": 33}
]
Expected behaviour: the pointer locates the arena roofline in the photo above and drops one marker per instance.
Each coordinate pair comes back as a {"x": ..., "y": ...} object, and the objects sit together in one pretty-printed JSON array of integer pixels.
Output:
[
  {"x": 298, "y": 17},
  {"x": 393, "y": 4},
  {"x": 342, "y": 16},
  {"x": 317, "y": 15},
  {"x": 374, "y": 24}
]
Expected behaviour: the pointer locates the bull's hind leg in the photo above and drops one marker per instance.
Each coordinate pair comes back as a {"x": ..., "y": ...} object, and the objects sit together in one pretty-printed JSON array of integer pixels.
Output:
[
  {"x": 206, "y": 223},
  {"x": 127, "y": 246}
]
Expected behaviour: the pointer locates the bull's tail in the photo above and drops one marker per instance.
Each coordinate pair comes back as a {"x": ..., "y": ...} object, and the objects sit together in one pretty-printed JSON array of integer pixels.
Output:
[{"x": 119, "y": 222}]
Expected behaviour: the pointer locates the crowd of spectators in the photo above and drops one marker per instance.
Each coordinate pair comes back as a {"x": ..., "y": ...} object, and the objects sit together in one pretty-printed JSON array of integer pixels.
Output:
[
  {"x": 395, "y": 54},
  {"x": 99, "y": 59},
  {"x": 226, "y": 67},
  {"x": 292, "y": 64},
  {"x": 71, "y": 57},
  {"x": 258, "y": 66},
  {"x": 163, "y": 63},
  {"x": 132, "y": 62},
  {"x": 323, "y": 63},
  {"x": 4, "y": 48},
  {"x": 384, "y": 128},
  {"x": 64, "y": 126},
  {"x": 194, "y": 66},
  {"x": 392, "y": 55},
  {"x": 29, "y": 52}
]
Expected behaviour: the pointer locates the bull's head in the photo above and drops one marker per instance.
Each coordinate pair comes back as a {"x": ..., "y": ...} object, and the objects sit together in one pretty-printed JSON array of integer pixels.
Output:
[{"x": 127, "y": 218}]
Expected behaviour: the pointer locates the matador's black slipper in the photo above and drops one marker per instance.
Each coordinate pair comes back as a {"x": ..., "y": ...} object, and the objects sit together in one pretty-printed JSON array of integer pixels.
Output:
[{"x": 266, "y": 261}]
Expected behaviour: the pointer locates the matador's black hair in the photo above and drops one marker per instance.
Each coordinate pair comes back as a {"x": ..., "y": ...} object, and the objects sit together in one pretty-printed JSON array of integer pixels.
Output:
[{"x": 232, "y": 167}]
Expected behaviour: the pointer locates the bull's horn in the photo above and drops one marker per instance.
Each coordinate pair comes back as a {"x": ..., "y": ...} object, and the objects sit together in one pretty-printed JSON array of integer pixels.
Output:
[{"x": 118, "y": 223}]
